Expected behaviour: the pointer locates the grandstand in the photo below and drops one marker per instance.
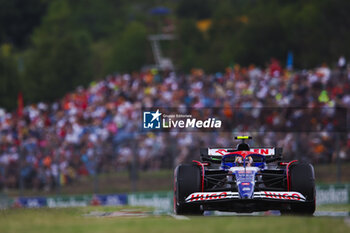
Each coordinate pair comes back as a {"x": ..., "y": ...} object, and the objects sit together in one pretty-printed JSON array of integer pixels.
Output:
[{"x": 96, "y": 129}]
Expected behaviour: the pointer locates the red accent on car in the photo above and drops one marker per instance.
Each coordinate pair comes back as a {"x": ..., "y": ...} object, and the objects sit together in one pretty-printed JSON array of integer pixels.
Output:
[
  {"x": 281, "y": 195},
  {"x": 242, "y": 153},
  {"x": 221, "y": 151},
  {"x": 288, "y": 175},
  {"x": 202, "y": 166},
  {"x": 204, "y": 197}
]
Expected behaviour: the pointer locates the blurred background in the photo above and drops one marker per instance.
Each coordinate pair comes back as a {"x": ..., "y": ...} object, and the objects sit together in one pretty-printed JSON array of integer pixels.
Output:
[{"x": 75, "y": 74}]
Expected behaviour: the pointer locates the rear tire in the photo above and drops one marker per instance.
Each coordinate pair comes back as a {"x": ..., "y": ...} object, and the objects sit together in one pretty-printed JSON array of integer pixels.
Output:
[
  {"x": 302, "y": 180},
  {"x": 187, "y": 181}
]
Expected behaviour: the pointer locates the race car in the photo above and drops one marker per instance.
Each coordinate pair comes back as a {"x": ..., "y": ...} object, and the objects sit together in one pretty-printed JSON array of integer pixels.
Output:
[{"x": 244, "y": 180}]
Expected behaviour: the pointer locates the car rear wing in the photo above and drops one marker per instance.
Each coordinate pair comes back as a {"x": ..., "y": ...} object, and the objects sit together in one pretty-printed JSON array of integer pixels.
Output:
[{"x": 215, "y": 154}]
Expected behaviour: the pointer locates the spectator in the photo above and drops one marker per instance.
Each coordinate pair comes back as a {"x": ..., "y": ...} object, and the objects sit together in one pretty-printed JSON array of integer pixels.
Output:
[{"x": 96, "y": 129}]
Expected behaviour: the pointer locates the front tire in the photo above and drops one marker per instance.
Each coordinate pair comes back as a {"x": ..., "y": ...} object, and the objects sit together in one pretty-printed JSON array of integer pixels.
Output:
[
  {"x": 302, "y": 177},
  {"x": 187, "y": 180}
]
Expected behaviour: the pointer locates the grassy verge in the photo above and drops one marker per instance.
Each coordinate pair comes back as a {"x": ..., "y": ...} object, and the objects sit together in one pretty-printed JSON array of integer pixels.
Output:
[
  {"x": 109, "y": 183},
  {"x": 67, "y": 220}
]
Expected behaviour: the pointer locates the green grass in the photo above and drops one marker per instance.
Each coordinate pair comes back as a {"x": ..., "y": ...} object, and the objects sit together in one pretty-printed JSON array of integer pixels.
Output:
[
  {"x": 66, "y": 220},
  {"x": 109, "y": 183}
]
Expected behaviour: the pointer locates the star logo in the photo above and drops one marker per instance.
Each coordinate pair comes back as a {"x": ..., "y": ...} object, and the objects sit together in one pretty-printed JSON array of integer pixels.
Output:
[
  {"x": 155, "y": 115},
  {"x": 151, "y": 119}
]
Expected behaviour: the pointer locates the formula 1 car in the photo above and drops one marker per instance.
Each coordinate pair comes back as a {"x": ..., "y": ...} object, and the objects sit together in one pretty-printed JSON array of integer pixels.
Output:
[{"x": 244, "y": 180}]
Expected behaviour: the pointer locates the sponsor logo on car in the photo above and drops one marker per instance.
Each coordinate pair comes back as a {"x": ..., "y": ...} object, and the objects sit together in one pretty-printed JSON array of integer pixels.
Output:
[
  {"x": 245, "y": 172},
  {"x": 264, "y": 151},
  {"x": 212, "y": 196},
  {"x": 284, "y": 195},
  {"x": 223, "y": 151},
  {"x": 206, "y": 196}
]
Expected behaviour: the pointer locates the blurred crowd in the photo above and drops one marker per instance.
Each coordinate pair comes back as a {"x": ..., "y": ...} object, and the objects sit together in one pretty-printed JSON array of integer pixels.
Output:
[{"x": 97, "y": 129}]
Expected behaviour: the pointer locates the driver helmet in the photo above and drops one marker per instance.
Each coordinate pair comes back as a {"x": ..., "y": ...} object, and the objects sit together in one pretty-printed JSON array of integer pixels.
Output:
[{"x": 248, "y": 160}]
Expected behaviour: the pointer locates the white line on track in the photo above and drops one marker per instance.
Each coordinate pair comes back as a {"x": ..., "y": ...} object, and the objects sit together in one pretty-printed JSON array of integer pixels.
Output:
[{"x": 179, "y": 217}]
